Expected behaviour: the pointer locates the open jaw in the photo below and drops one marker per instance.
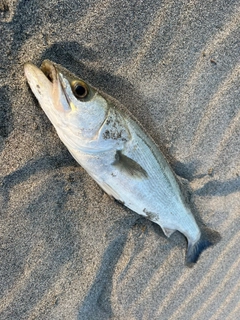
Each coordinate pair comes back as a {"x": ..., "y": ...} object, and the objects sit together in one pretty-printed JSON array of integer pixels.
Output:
[
  {"x": 48, "y": 68},
  {"x": 41, "y": 80},
  {"x": 46, "y": 85},
  {"x": 60, "y": 98}
]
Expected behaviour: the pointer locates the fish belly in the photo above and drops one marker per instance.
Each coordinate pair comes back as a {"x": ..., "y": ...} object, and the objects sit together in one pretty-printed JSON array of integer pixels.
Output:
[{"x": 155, "y": 196}]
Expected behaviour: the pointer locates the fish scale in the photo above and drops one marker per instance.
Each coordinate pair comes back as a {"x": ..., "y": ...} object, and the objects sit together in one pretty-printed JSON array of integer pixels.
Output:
[{"x": 110, "y": 144}]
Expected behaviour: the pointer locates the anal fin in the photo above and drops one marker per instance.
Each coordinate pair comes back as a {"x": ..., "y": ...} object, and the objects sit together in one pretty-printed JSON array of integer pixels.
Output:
[{"x": 168, "y": 232}]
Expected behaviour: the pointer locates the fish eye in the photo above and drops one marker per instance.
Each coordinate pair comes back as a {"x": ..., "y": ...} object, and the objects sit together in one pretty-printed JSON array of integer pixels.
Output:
[{"x": 79, "y": 89}]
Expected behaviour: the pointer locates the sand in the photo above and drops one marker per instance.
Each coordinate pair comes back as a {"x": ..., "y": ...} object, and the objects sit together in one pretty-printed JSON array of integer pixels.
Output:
[{"x": 67, "y": 250}]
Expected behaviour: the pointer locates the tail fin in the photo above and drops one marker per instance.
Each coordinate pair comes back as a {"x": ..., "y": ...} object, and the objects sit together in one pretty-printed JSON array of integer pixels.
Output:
[{"x": 208, "y": 238}]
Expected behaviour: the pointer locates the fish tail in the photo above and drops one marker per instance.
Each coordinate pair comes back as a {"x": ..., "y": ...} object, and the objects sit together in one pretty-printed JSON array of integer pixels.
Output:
[{"x": 208, "y": 238}]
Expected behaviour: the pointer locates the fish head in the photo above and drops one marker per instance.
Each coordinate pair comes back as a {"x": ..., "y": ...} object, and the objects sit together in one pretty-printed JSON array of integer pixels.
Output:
[{"x": 76, "y": 109}]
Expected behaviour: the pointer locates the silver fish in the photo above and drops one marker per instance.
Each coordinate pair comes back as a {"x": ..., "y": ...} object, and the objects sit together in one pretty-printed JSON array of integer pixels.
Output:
[{"x": 112, "y": 147}]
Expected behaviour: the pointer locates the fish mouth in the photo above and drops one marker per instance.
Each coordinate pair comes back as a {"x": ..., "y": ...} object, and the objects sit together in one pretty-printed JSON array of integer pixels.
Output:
[
  {"x": 47, "y": 86},
  {"x": 49, "y": 70},
  {"x": 53, "y": 73}
]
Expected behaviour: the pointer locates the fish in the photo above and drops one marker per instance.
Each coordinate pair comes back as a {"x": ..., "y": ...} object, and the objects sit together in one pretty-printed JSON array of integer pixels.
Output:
[{"x": 112, "y": 146}]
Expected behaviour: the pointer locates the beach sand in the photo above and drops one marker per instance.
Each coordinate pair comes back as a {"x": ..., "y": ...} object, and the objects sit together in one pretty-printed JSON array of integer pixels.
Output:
[{"x": 67, "y": 250}]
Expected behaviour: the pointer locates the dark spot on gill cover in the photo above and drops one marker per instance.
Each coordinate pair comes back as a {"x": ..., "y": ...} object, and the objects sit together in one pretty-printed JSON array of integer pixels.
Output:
[
  {"x": 106, "y": 135},
  {"x": 114, "y": 135}
]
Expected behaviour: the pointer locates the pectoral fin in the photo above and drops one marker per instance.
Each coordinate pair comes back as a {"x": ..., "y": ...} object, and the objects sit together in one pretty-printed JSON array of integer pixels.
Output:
[{"x": 129, "y": 166}]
